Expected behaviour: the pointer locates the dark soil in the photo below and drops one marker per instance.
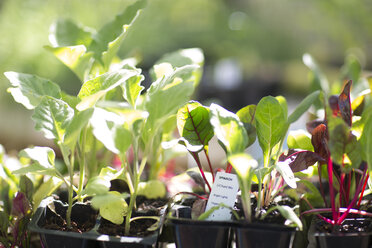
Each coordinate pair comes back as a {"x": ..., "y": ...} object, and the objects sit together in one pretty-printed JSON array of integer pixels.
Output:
[
  {"x": 138, "y": 228},
  {"x": 274, "y": 217},
  {"x": 83, "y": 218},
  {"x": 355, "y": 225}
]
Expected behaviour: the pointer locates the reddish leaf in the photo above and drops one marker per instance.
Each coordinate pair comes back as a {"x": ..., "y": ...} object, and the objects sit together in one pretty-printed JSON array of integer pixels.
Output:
[
  {"x": 310, "y": 126},
  {"x": 21, "y": 205},
  {"x": 344, "y": 103},
  {"x": 300, "y": 160},
  {"x": 319, "y": 140},
  {"x": 333, "y": 103}
]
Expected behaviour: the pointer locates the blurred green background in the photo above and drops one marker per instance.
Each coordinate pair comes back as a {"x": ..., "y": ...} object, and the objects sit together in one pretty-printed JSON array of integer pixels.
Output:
[{"x": 252, "y": 47}]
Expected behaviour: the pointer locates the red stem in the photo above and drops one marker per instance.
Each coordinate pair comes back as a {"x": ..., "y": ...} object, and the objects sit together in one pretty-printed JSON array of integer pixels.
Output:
[
  {"x": 196, "y": 157},
  {"x": 344, "y": 215},
  {"x": 228, "y": 168},
  {"x": 348, "y": 187},
  {"x": 209, "y": 164},
  {"x": 362, "y": 193},
  {"x": 331, "y": 190}
]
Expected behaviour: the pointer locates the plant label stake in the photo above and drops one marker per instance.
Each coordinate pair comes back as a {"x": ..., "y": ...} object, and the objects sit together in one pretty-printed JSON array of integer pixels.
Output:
[{"x": 224, "y": 191}]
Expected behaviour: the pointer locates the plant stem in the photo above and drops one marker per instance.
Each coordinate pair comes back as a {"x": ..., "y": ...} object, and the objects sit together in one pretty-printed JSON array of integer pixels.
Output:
[
  {"x": 209, "y": 164},
  {"x": 321, "y": 184},
  {"x": 196, "y": 157},
  {"x": 331, "y": 190},
  {"x": 82, "y": 164},
  {"x": 363, "y": 189}
]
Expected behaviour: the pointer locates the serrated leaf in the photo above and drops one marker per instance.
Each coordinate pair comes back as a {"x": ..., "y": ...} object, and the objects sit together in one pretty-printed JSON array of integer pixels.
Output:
[
  {"x": 96, "y": 88},
  {"x": 65, "y": 32},
  {"x": 108, "y": 39},
  {"x": 271, "y": 124},
  {"x": 30, "y": 89},
  {"x": 112, "y": 206},
  {"x": 193, "y": 124},
  {"x": 132, "y": 89},
  {"x": 44, "y": 156},
  {"x": 52, "y": 117},
  {"x": 228, "y": 129},
  {"x": 164, "y": 99},
  {"x": 75, "y": 58},
  {"x": 303, "y": 106}
]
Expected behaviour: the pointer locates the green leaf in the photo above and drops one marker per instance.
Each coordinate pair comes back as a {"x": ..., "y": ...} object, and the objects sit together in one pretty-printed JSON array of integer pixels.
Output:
[
  {"x": 271, "y": 124},
  {"x": 108, "y": 39},
  {"x": 228, "y": 129},
  {"x": 26, "y": 186},
  {"x": 44, "y": 156},
  {"x": 108, "y": 128},
  {"x": 299, "y": 139},
  {"x": 152, "y": 189},
  {"x": 52, "y": 117},
  {"x": 247, "y": 116},
  {"x": 366, "y": 139},
  {"x": 317, "y": 78},
  {"x": 132, "y": 89},
  {"x": 193, "y": 124},
  {"x": 303, "y": 106},
  {"x": 29, "y": 89},
  {"x": 112, "y": 206},
  {"x": 97, "y": 186},
  {"x": 97, "y": 88},
  {"x": 288, "y": 213},
  {"x": 312, "y": 194},
  {"x": 46, "y": 189},
  {"x": 122, "y": 139},
  {"x": 75, "y": 58},
  {"x": 66, "y": 32},
  {"x": 178, "y": 59},
  {"x": 283, "y": 103},
  {"x": 78, "y": 123},
  {"x": 165, "y": 97}
]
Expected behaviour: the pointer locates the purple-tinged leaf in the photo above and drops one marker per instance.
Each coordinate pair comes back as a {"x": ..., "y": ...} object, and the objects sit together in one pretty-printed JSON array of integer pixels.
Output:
[
  {"x": 319, "y": 140},
  {"x": 21, "y": 206},
  {"x": 311, "y": 125},
  {"x": 344, "y": 103},
  {"x": 333, "y": 104},
  {"x": 300, "y": 160}
]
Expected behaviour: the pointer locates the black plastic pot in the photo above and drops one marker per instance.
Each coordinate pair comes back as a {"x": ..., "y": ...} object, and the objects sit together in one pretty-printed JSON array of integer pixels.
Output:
[
  {"x": 190, "y": 233},
  {"x": 90, "y": 239},
  {"x": 347, "y": 240},
  {"x": 256, "y": 235}
]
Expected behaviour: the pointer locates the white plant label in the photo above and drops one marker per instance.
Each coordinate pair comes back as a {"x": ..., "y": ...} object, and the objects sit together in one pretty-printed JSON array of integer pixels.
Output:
[{"x": 224, "y": 190}]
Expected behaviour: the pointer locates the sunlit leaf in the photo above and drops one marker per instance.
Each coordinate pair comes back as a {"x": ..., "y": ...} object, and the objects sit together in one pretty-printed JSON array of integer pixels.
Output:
[
  {"x": 193, "y": 124},
  {"x": 132, "y": 89},
  {"x": 228, "y": 129},
  {"x": 247, "y": 116},
  {"x": 299, "y": 139},
  {"x": 112, "y": 206},
  {"x": 271, "y": 124},
  {"x": 29, "y": 89},
  {"x": 96, "y": 88},
  {"x": 52, "y": 117}
]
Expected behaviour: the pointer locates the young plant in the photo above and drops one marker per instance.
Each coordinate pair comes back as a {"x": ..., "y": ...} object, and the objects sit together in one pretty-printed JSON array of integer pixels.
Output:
[
  {"x": 142, "y": 123},
  {"x": 64, "y": 118},
  {"x": 341, "y": 143}
]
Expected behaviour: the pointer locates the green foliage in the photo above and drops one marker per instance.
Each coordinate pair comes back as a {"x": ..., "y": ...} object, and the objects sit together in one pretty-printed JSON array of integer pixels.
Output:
[{"x": 271, "y": 125}]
